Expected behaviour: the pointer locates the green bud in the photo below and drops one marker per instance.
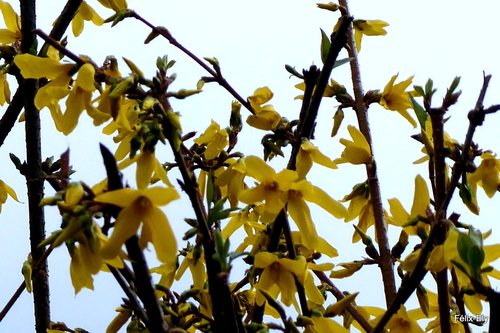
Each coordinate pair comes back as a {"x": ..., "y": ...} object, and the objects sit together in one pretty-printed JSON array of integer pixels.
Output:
[{"x": 337, "y": 121}]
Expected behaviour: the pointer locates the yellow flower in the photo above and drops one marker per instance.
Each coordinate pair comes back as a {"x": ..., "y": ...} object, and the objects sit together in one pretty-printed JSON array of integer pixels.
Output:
[
  {"x": 196, "y": 267},
  {"x": 272, "y": 186},
  {"x": 308, "y": 154},
  {"x": 80, "y": 95},
  {"x": 79, "y": 98},
  {"x": 421, "y": 201},
  {"x": 142, "y": 206},
  {"x": 4, "y": 89},
  {"x": 404, "y": 322},
  {"x": 6, "y": 190},
  {"x": 85, "y": 13},
  {"x": 428, "y": 142},
  {"x": 215, "y": 139},
  {"x": 396, "y": 98},
  {"x": 368, "y": 28},
  {"x": 300, "y": 213},
  {"x": 278, "y": 276},
  {"x": 233, "y": 177},
  {"x": 149, "y": 169},
  {"x": 486, "y": 174},
  {"x": 12, "y": 22},
  {"x": 86, "y": 258},
  {"x": 322, "y": 247},
  {"x": 357, "y": 151},
  {"x": 322, "y": 324},
  {"x": 265, "y": 118}
]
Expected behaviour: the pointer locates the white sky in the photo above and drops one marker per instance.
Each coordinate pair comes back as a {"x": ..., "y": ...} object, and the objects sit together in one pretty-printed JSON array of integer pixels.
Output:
[{"x": 253, "y": 41}]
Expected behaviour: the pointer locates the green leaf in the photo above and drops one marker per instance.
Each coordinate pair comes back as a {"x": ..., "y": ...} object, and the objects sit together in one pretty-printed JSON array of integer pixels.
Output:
[
  {"x": 419, "y": 111},
  {"x": 476, "y": 237},
  {"x": 475, "y": 259},
  {"x": 419, "y": 90},
  {"x": 464, "y": 244},
  {"x": 293, "y": 71},
  {"x": 325, "y": 45},
  {"x": 460, "y": 267},
  {"x": 342, "y": 62}
]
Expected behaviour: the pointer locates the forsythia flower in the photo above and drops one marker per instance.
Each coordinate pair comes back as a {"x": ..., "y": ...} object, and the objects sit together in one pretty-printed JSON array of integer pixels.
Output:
[
  {"x": 6, "y": 190},
  {"x": 486, "y": 175},
  {"x": 85, "y": 13},
  {"x": 300, "y": 213},
  {"x": 196, "y": 267},
  {"x": 405, "y": 322},
  {"x": 215, "y": 139},
  {"x": 272, "y": 186},
  {"x": 322, "y": 324},
  {"x": 4, "y": 89},
  {"x": 396, "y": 98},
  {"x": 142, "y": 206},
  {"x": 357, "y": 151},
  {"x": 369, "y": 28},
  {"x": 278, "y": 276},
  {"x": 308, "y": 154},
  {"x": 233, "y": 177},
  {"x": 265, "y": 118},
  {"x": 12, "y": 22},
  {"x": 421, "y": 200}
]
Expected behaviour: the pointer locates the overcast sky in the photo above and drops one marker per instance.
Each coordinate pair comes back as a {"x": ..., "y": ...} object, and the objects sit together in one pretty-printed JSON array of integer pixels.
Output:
[{"x": 253, "y": 40}]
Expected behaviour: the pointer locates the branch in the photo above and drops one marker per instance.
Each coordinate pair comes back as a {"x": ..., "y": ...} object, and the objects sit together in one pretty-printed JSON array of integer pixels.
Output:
[
  {"x": 339, "y": 296},
  {"x": 34, "y": 175},
  {"x": 386, "y": 263},
  {"x": 216, "y": 74}
]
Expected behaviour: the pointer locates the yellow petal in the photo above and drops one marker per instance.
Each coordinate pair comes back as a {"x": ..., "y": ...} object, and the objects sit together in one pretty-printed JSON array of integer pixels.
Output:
[
  {"x": 145, "y": 167},
  {"x": 121, "y": 198},
  {"x": 33, "y": 67},
  {"x": 258, "y": 169},
  {"x": 161, "y": 196},
  {"x": 162, "y": 235},
  {"x": 264, "y": 259},
  {"x": 126, "y": 226},
  {"x": 421, "y": 198},
  {"x": 301, "y": 214},
  {"x": 322, "y": 199}
]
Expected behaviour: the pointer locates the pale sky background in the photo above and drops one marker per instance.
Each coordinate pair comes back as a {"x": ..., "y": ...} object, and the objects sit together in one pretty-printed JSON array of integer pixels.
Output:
[{"x": 253, "y": 41}]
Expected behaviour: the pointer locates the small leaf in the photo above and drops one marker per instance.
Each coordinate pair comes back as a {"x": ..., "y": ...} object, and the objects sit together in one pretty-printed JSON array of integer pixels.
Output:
[
  {"x": 337, "y": 121},
  {"x": 293, "y": 71},
  {"x": 464, "y": 244},
  {"x": 419, "y": 111},
  {"x": 423, "y": 300},
  {"x": 460, "y": 267},
  {"x": 475, "y": 259},
  {"x": 325, "y": 45},
  {"x": 342, "y": 62}
]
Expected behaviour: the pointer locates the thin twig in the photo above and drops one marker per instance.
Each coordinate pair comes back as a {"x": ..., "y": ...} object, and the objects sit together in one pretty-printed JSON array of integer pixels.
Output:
[{"x": 215, "y": 74}]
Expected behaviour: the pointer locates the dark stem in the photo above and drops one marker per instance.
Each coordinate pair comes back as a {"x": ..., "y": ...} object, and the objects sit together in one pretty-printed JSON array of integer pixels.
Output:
[
  {"x": 145, "y": 288},
  {"x": 34, "y": 175},
  {"x": 308, "y": 115},
  {"x": 437, "y": 116},
  {"x": 216, "y": 74},
  {"x": 459, "y": 299}
]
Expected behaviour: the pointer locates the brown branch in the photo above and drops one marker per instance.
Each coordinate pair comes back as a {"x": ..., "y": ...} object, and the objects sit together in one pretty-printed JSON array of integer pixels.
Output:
[
  {"x": 339, "y": 296},
  {"x": 386, "y": 263},
  {"x": 216, "y": 74}
]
